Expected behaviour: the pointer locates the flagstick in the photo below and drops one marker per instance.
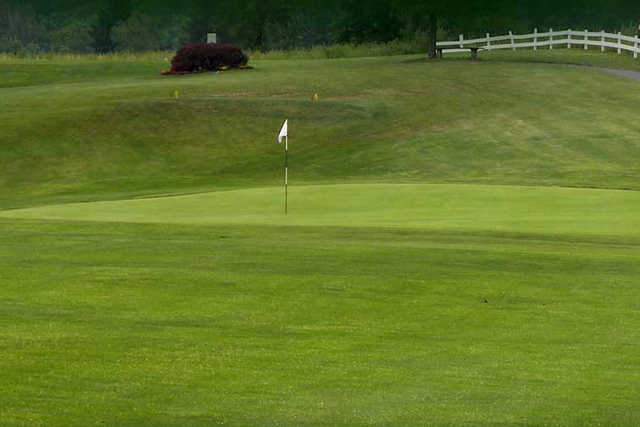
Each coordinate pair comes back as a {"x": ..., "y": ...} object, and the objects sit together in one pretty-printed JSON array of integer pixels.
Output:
[
  {"x": 286, "y": 174},
  {"x": 284, "y": 130}
]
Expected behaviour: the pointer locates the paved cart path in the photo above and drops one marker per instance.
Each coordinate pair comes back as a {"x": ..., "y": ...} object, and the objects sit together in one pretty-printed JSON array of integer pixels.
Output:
[{"x": 625, "y": 73}]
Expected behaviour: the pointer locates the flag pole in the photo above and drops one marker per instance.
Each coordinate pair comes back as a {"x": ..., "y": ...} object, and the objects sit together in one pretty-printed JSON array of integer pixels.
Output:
[
  {"x": 286, "y": 174},
  {"x": 284, "y": 133}
]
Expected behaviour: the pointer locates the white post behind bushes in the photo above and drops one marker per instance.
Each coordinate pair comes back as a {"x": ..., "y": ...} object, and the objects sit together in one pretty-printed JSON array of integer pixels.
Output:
[
  {"x": 488, "y": 41},
  {"x": 535, "y": 39},
  {"x": 569, "y": 37},
  {"x": 635, "y": 44},
  {"x": 550, "y": 38},
  {"x": 602, "y": 41},
  {"x": 461, "y": 41},
  {"x": 513, "y": 44}
]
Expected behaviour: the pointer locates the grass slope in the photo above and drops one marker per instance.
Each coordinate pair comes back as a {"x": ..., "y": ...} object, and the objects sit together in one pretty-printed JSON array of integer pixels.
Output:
[
  {"x": 440, "y": 279},
  {"x": 379, "y": 119}
]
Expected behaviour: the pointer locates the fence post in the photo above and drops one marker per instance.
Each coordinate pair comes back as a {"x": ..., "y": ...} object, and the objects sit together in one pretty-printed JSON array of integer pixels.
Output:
[
  {"x": 586, "y": 39},
  {"x": 488, "y": 42},
  {"x": 550, "y": 38},
  {"x": 602, "y": 48},
  {"x": 635, "y": 45},
  {"x": 619, "y": 42},
  {"x": 513, "y": 46},
  {"x": 535, "y": 39},
  {"x": 461, "y": 41},
  {"x": 569, "y": 37}
]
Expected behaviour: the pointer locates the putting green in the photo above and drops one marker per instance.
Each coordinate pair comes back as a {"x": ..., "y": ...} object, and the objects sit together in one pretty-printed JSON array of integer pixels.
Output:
[{"x": 439, "y": 207}]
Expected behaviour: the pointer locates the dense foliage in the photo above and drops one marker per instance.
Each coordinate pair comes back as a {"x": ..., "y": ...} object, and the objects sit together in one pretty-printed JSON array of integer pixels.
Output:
[
  {"x": 32, "y": 26},
  {"x": 207, "y": 57}
]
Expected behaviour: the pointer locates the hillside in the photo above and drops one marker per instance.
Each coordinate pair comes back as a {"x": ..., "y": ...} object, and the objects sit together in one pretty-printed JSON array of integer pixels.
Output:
[{"x": 87, "y": 131}]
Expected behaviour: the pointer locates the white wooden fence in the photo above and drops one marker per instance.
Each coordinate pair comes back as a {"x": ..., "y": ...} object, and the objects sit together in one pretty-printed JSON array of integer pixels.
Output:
[{"x": 547, "y": 40}]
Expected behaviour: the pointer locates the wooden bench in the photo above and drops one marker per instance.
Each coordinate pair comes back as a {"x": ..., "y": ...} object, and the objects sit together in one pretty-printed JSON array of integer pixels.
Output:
[{"x": 473, "y": 50}]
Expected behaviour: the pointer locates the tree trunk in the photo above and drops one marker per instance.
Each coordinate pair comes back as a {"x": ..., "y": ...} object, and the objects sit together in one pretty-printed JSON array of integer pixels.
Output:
[
  {"x": 433, "y": 35},
  {"x": 258, "y": 43},
  {"x": 114, "y": 12}
]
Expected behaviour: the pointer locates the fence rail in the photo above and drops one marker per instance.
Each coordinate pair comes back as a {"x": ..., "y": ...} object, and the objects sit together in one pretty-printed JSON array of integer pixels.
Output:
[{"x": 548, "y": 40}]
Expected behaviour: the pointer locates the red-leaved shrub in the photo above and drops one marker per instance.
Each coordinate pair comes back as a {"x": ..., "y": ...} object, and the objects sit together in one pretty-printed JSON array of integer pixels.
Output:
[{"x": 195, "y": 58}]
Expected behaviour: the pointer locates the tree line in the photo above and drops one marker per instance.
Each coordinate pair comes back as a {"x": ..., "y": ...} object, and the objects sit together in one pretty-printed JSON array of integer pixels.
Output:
[{"x": 33, "y": 26}]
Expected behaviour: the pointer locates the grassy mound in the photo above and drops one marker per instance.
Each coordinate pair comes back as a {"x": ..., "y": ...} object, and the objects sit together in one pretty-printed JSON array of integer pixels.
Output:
[{"x": 72, "y": 132}]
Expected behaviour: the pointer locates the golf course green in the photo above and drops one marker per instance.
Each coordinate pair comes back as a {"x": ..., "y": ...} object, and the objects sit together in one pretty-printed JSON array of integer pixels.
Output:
[
  {"x": 462, "y": 245},
  {"x": 419, "y": 206}
]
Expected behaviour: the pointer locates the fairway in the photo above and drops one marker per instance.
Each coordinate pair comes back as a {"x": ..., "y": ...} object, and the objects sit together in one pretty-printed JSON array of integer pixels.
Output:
[
  {"x": 462, "y": 245},
  {"x": 177, "y": 324}
]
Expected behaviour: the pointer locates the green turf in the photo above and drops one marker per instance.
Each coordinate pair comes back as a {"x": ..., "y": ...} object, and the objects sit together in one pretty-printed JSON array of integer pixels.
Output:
[
  {"x": 561, "y": 55},
  {"x": 179, "y": 325},
  {"x": 552, "y": 211},
  {"x": 462, "y": 248}
]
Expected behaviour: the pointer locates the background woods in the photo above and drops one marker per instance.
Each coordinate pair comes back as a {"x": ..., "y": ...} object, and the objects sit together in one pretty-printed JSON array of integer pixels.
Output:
[{"x": 33, "y": 26}]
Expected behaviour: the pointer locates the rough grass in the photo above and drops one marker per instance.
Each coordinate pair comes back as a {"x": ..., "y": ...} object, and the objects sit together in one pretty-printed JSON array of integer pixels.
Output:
[
  {"x": 559, "y": 55},
  {"x": 343, "y": 50},
  {"x": 151, "y": 56}
]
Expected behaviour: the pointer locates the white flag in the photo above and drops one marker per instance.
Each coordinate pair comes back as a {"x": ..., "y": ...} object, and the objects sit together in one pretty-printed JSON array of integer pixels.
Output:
[{"x": 283, "y": 131}]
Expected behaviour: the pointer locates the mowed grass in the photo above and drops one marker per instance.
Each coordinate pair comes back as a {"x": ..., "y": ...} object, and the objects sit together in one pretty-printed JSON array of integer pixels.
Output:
[
  {"x": 440, "y": 264},
  {"x": 550, "y": 211},
  {"x": 369, "y": 304},
  {"x": 156, "y": 324}
]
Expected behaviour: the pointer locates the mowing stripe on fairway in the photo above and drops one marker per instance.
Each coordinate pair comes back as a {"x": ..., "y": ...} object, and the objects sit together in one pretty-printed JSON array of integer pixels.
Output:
[{"x": 427, "y": 206}]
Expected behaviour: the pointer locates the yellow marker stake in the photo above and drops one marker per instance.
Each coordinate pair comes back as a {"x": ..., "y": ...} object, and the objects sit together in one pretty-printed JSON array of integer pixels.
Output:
[
  {"x": 176, "y": 93},
  {"x": 314, "y": 98}
]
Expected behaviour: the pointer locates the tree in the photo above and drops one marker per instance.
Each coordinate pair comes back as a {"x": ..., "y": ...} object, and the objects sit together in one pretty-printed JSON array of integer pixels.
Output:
[
  {"x": 456, "y": 15},
  {"x": 109, "y": 15},
  {"x": 102, "y": 25},
  {"x": 20, "y": 29},
  {"x": 371, "y": 20},
  {"x": 201, "y": 18},
  {"x": 252, "y": 17}
]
